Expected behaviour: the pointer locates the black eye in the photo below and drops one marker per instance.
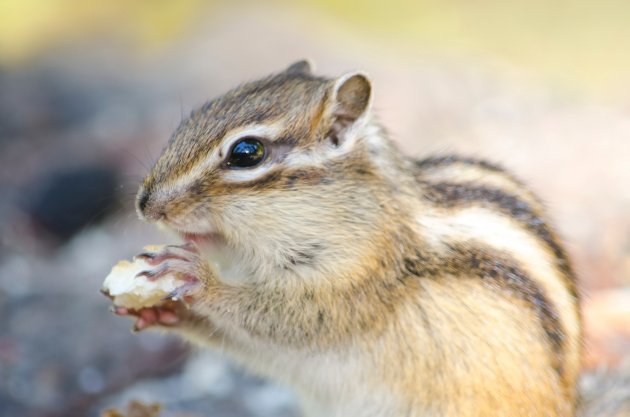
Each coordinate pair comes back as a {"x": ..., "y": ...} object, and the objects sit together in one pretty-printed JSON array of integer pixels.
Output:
[{"x": 246, "y": 153}]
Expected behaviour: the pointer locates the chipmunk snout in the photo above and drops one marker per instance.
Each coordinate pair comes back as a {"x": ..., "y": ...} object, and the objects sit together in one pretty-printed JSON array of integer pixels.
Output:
[
  {"x": 143, "y": 199},
  {"x": 146, "y": 207}
]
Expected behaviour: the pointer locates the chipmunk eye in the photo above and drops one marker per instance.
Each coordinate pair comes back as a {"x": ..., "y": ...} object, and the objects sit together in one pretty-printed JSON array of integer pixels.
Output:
[{"x": 246, "y": 153}]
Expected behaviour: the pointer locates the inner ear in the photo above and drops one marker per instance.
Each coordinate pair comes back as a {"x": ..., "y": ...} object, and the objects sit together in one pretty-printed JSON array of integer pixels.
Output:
[{"x": 350, "y": 100}]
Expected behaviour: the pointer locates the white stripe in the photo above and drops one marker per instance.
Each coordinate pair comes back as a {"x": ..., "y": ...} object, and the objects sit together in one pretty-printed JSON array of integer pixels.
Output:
[
  {"x": 362, "y": 129},
  {"x": 181, "y": 184},
  {"x": 502, "y": 233}
]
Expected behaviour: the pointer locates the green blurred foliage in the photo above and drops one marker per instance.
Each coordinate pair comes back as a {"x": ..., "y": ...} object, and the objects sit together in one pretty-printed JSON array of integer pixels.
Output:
[{"x": 583, "y": 43}]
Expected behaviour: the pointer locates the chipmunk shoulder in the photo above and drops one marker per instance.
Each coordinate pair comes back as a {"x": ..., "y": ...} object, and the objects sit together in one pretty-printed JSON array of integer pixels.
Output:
[{"x": 372, "y": 283}]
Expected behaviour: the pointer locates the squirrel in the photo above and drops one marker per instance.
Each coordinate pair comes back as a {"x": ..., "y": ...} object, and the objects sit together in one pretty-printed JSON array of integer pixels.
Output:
[{"x": 372, "y": 283}]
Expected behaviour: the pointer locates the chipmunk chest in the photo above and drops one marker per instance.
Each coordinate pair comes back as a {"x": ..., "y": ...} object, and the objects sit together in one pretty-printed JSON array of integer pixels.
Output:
[{"x": 321, "y": 381}]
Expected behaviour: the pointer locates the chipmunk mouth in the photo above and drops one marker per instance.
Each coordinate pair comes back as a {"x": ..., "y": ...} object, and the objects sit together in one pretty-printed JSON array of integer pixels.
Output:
[{"x": 213, "y": 248}]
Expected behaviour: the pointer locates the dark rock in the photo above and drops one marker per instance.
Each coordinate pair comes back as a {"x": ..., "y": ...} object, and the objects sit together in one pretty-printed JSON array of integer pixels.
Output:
[{"x": 66, "y": 202}]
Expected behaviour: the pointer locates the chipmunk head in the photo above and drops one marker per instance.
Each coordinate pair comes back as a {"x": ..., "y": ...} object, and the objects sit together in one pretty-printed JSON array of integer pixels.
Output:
[{"x": 278, "y": 167}]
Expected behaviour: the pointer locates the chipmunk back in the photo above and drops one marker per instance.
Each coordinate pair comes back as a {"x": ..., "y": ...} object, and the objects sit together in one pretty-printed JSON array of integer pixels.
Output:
[{"x": 372, "y": 283}]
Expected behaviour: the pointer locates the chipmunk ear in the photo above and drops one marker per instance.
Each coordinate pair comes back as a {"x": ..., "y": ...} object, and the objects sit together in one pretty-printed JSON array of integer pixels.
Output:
[
  {"x": 303, "y": 67},
  {"x": 351, "y": 97}
]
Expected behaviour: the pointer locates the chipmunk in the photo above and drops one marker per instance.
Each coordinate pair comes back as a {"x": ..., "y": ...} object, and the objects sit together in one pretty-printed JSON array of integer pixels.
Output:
[{"x": 371, "y": 283}]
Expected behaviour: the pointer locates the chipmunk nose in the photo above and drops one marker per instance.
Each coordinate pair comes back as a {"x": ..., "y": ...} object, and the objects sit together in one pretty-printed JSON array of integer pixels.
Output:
[
  {"x": 143, "y": 199},
  {"x": 146, "y": 210}
]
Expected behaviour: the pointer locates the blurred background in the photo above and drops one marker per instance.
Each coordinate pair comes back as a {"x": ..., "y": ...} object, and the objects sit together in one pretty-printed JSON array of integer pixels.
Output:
[{"x": 90, "y": 92}]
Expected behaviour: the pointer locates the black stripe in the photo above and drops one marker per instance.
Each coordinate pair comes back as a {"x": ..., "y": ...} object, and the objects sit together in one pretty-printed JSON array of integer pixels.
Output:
[
  {"x": 447, "y": 160},
  {"x": 503, "y": 274},
  {"x": 454, "y": 195}
]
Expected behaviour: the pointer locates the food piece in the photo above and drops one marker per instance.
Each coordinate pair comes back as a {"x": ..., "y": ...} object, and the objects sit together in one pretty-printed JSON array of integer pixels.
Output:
[
  {"x": 135, "y": 409},
  {"x": 135, "y": 292}
]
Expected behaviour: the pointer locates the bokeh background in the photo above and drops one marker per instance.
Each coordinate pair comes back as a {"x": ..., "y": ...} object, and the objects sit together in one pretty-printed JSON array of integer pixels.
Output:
[{"x": 90, "y": 92}]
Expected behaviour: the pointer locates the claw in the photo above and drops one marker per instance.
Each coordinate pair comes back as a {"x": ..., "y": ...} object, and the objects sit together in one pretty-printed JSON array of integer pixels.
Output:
[
  {"x": 168, "y": 252},
  {"x": 106, "y": 293},
  {"x": 154, "y": 274},
  {"x": 139, "y": 326},
  {"x": 145, "y": 256},
  {"x": 172, "y": 296},
  {"x": 117, "y": 310},
  {"x": 188, "y": 246},
  {"x": 181, "y": 293}
]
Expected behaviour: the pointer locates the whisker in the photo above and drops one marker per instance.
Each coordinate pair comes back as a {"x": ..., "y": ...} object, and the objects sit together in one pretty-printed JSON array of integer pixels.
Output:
[{"x": 138, "y": 160}]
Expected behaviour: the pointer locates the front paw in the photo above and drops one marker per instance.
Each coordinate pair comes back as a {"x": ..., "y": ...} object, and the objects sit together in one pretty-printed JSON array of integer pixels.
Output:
[
  {"x": 183, "y": 261},
  {"x": 149, "y": 286},
  {"x": 168, "y": 314}
]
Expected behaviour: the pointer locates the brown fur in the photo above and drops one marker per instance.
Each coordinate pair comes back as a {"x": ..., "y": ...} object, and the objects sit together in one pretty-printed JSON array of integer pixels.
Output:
[{"x": 347, "y": 256}]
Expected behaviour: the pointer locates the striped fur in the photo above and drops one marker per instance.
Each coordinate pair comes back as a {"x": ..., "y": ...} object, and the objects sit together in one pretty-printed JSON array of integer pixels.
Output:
[{"x": 373, "y": 284}]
